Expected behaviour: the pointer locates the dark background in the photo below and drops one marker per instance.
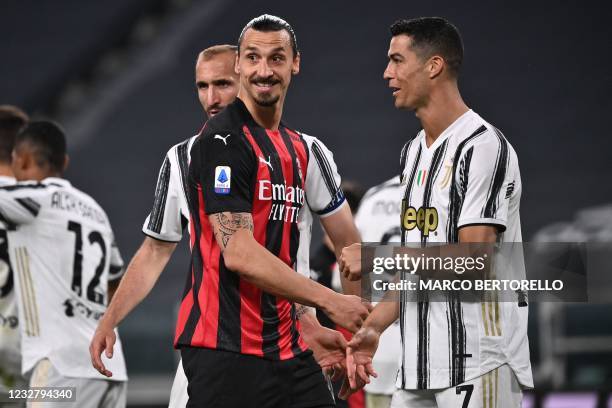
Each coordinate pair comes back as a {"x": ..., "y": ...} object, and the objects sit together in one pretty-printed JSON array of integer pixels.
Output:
[{"x": 119, "y": 75}]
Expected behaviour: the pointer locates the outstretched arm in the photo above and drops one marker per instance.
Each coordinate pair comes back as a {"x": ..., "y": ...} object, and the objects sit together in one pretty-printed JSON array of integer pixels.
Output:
[
  {"x": 254, "y": 263},
  {"x": 140, "y": 277},
  {"x": 342, "y": 231}
]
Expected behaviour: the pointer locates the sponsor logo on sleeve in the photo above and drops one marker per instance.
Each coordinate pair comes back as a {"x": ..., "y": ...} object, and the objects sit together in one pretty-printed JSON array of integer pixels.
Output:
[{"x": 223, "y": 179}]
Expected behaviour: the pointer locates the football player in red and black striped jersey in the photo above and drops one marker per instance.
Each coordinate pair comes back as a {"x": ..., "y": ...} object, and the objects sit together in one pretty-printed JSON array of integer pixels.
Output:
[{"x": 237, "y": 327}]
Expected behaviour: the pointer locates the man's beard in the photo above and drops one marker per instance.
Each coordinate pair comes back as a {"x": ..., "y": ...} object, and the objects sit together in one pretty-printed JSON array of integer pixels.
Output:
[{"x": 266, "y": 100}]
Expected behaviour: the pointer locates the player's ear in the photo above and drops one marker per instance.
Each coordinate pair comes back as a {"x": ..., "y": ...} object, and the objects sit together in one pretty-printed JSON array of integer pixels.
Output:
[
  {"x": 16, "y": 161},
  {"x": 295, "y": 65},
  {"x": 435, "y": 66},
  {"x": 66, "y": 162},
  {"x": 237, "y": 64}
]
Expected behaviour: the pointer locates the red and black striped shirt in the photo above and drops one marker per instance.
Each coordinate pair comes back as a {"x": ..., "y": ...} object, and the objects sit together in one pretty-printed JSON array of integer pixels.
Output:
[{"x": 238, "y": 166}]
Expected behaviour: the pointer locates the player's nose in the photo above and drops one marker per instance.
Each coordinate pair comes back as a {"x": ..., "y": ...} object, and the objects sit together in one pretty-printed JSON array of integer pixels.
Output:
[
  {"x": 264, "y": 70},
  {"x": 387, "y": 75},
  {"x": 212, "y": 96}
]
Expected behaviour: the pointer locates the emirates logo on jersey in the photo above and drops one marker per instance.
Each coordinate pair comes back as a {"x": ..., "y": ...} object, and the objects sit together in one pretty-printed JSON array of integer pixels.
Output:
[{"x": 287, "y": 200}]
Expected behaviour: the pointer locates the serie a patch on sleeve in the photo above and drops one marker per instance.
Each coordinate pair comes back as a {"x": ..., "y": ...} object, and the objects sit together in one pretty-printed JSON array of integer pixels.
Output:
[{"x": 223, "y": 179}]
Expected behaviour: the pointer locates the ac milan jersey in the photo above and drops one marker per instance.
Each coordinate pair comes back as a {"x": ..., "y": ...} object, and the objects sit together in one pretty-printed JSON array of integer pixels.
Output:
[
  {"x": 10, "y": 349},
  {"x": 377, "y": 221},
  {"x": 63, "y": 252},
  {"x": 238, "y": 166},
  {"x": 469, "y": 175},
  {"x": 169, "y": 216}
]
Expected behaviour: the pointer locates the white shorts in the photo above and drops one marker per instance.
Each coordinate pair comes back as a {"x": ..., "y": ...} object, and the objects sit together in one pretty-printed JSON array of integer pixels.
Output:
[
  {"x": 498, "y": 388},
  {"x": 178, "y": 394},
  {"x": 89, "y": 392}
]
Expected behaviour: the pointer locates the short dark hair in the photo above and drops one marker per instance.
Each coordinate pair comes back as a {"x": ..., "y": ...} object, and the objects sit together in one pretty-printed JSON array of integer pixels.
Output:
[
  {"x": 48, "y": 141},
  {"x": 266, "y": 23},
  {"x": 12, "y": 121},
  {"x": 433, "y": 36}
]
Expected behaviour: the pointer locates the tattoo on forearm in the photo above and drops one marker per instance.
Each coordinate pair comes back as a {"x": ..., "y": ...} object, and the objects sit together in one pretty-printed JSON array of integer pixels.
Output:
[{"x": 229, "y": 223}]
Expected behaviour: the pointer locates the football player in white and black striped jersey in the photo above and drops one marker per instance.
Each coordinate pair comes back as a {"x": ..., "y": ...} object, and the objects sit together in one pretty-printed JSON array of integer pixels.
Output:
[
  {"x": 12, "y": 120},
  {"x": 217, "y": 86},
  {"x": 66, "y": 264},
  {"x": 462, "y": 184}
]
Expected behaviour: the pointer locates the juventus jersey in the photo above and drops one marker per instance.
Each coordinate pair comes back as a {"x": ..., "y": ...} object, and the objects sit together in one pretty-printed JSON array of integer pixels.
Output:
[
  {"x": 469, "y": 175},
  {"x": 63, "y": 251},
  {"x": 376, "y": 220},
  {"x": 10, "y": 349}
]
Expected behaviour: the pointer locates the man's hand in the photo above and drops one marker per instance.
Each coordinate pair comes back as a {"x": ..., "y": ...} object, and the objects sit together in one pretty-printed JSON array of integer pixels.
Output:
[
  {"x": 103, "y": 340},
  {"x": 329, "y": 348},
  {"x": 350, "y": 262},
  {"x": 348, "y": 311},
  {"x": 359, "y": 355}
]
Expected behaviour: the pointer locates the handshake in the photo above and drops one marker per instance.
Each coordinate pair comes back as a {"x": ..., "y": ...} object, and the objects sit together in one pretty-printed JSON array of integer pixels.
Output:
[{"x": 350, "y": 361}]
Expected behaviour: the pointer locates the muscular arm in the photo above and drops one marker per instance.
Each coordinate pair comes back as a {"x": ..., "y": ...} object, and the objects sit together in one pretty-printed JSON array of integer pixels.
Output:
[
  {"x": 141, "y": 274},
  {"x": 254, "y": 263},
  {"x": 140, "y": 277},
  {"x": 342, "y": 231}
]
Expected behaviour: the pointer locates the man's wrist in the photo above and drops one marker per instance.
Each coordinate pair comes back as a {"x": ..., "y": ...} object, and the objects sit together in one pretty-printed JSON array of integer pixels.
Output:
[{"x": 326, "y": 300}]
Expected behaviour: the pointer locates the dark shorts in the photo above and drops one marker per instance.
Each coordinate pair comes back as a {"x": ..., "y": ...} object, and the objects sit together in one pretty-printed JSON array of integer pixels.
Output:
[{"x": 223, "y": 379}]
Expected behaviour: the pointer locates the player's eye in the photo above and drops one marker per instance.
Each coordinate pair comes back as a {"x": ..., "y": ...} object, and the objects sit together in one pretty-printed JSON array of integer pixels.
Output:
[
  {"x": 278, "y": 58},
  {"x": 252, "y": 57},
  {"x": 201, "y": 85}
]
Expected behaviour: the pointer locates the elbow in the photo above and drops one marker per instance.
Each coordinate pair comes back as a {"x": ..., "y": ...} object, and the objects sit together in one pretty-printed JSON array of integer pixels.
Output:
[{"x": 235, "y": 255}]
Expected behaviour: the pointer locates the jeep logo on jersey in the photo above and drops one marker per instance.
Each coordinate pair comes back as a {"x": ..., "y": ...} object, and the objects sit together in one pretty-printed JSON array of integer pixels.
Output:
[
  {"x": 288, "y": 200},
  {"x": 425, "y": 219}
]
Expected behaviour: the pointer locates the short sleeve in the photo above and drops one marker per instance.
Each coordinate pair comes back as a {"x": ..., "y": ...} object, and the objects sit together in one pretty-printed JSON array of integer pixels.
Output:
[
  {"x": 227, "y": 173},
  {"x": 482, "y": 182},
  {"x": 323, "y": 192},
  {"x": 20, "y": 203},
  {"x": 165, "y": 221},
  {"x": 117, "y": 266}
]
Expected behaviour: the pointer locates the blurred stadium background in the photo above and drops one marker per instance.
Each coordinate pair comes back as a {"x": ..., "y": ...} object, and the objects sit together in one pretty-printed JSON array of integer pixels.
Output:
[{"x": 118, "y": 74}]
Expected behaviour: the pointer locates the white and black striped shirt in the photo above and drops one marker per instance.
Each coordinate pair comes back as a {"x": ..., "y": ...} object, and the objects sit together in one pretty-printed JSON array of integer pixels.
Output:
[
  {"x": 63, "y": 252},
  {"x": 469, "y": 175}
]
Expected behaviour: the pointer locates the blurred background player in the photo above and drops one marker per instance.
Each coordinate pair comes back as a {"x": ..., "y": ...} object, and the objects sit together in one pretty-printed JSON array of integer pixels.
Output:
[
  {"x": 461, "y": 168},
  {"x": 12, "y": 121},
  {"x": 377, "y": 221},
  {"x": 66, "y": 268},
  {"x": 217, "y": 86}
]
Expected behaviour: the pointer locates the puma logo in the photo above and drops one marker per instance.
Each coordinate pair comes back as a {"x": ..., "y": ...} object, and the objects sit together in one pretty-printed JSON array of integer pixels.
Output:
[
  {"x": 262, "y": 160},
  {"x": 222, "y": 138}
]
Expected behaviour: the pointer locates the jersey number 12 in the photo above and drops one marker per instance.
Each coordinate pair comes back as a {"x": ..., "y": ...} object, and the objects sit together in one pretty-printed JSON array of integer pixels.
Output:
[{"x": 94, "y": 237}]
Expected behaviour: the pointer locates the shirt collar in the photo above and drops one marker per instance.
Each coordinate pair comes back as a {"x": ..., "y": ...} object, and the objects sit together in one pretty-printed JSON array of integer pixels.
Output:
[{"x": 57, "y": 181}]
